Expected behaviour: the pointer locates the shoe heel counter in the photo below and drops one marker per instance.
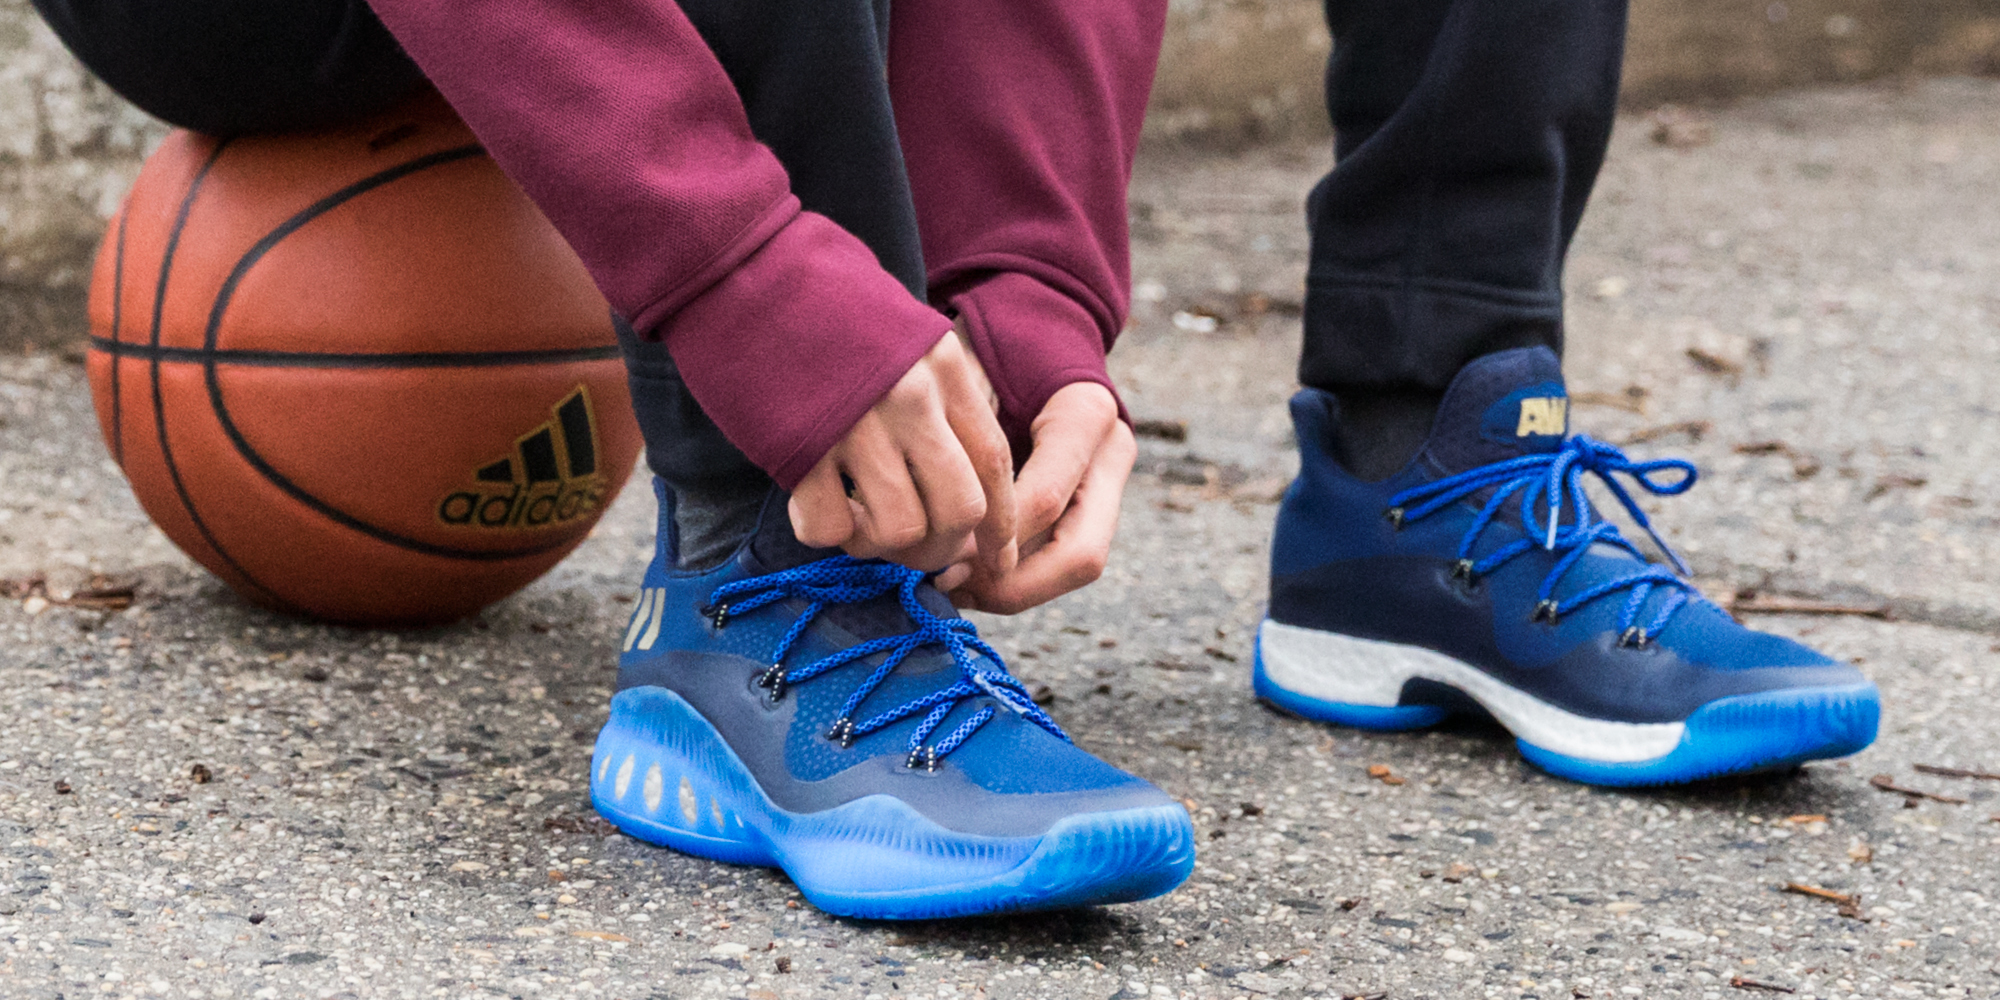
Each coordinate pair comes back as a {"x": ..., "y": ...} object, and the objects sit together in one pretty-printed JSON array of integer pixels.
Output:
[
  {"x": 667, "y": 540},
  {"x": 649, "y": 618},
  {"x": 1305, "y": 516}
]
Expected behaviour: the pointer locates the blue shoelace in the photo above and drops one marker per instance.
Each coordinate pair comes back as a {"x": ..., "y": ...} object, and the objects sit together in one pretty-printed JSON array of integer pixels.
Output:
[
  {"x": 1547, "y": 479},
  {"x": 846, "y": 580}
]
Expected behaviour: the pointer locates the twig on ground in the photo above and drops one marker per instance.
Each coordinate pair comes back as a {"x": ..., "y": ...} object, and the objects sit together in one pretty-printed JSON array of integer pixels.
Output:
[
  {"x": 1694, "y": 429},
  {"x": 1888, "y": 483},
  {"x": 1804, "y": 466},
  {"x": 1849, "y": 904},
  {"x": 1164, "y": 430},
  {"x": 1955, "y": 772},
  {"x": 1747, "y": 983},
  {"x": 1750, "y": 602},
  {"x": 1888, "y": 784},
  {"x": 1678, "y": 128},
  {"x": 1381, "y": 773},
  {"x": 113, "y": 598},
  {"x": 1632, "y": 400},
  {"x": 1818, "y": 893},
  {"x": 1713, "y": 363}
]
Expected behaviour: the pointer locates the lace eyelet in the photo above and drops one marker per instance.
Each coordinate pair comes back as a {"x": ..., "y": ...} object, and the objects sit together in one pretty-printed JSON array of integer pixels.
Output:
[
  {"x": 1545, "y": 611},
  {"x": 1634, "y": 638},
  {"x": 717, "y": 615},
  {"x": 842, "y": 733},
  {"x": 922, "y": 758},
  {"x": 773, "y": 680},
  {"x": 1462, "y": 572},
  {"x": 1394, "y": 515}
]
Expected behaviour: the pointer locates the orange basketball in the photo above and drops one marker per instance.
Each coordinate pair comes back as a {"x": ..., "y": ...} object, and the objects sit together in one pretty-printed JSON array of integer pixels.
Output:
[{"x": 354, "y": 372}]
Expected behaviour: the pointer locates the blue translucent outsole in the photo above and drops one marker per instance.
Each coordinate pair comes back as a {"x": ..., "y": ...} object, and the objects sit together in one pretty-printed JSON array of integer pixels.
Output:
[
  {"x": 662, "y": 774},
  {"x": 1737, "y": 735},
  {"x": 1381, "y": 719}
]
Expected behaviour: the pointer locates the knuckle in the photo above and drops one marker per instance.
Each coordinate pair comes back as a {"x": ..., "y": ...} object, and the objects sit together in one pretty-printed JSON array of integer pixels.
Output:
[
  {"x": 990, "y": 448},
  {"x": 1043, "y": 506},
  {"x": 961, "y": 523},
  {"x": 816, "y": 530},
  {"x": 950, "y": 350},
  {"x": 1005, "y": 604},
  {"x": 1124, "y": 447},
  {"x": 913, "y": 392},
  {"x": 866, "y": 424},
  {"x": 995, "y": 464},
  {"x": 1089, "y": 401},
  {"x": 1089, "y": 565},
  {"x": 902, "y": 535},
  {"x": 963, "y": 517},
  {"x": 1101, "y": 405}
]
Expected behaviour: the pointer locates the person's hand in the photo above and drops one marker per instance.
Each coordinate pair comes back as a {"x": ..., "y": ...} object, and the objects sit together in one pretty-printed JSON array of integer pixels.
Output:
[
  {"x": 1069, "y": 492},
  {"x": 924, "y": 478}
]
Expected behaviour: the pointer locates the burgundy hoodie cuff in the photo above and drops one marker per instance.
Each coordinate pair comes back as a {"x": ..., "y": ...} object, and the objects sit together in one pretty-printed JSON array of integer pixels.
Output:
[
  {"x": 1033, "y": 340},
  {"x": 794, "y": 344}
]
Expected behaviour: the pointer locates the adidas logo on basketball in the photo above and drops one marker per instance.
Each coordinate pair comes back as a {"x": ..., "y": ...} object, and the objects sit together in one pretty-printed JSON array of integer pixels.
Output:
[{"x": 550, "y": 477}]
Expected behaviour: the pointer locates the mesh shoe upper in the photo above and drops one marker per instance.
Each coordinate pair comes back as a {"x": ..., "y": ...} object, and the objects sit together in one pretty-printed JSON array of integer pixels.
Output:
[{"x": 1010, "y": 773}]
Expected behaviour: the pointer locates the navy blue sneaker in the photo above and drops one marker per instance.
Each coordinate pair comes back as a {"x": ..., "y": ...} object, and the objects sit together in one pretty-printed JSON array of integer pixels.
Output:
[
  {"x": 837, "y": 719},
  {"x": 1480, "y": 578}
]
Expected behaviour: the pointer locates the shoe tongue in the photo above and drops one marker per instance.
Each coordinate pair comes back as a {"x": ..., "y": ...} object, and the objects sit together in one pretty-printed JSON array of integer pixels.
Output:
[
  {"x": 1501, "y": 406},
  {"x": 773, "y": 547}
]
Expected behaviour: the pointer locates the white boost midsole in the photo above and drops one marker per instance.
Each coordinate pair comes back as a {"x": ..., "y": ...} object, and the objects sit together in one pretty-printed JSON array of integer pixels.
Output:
[{"x": 1328, "y": 666}]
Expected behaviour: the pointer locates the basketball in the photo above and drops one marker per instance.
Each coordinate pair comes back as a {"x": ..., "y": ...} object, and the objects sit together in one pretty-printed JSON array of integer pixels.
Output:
[{"x": 354, "y": 372}]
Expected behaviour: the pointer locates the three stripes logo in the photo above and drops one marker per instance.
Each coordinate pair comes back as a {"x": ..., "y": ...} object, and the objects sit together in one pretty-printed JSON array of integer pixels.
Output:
[
  {"x": 645, "y": 627},
  {"x": 549, "y": 478}
]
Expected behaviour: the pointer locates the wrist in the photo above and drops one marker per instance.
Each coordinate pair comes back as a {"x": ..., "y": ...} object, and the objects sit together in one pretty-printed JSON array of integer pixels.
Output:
[{"x": 1032, "y": 341}]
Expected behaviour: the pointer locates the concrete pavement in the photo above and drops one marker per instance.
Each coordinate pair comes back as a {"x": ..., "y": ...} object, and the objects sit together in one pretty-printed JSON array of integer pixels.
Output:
[{"x": 1805, "y": 305}]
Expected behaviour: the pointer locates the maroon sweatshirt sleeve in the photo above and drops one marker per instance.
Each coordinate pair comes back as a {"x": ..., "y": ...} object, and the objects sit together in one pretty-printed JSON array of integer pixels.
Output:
[
  {"x": 1019, "y": 120},
  {"x": 617, "y": 120}
]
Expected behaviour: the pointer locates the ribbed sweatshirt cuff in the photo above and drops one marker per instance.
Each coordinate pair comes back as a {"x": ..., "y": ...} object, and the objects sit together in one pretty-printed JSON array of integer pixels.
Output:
[{"x": 1033, "y": 340}]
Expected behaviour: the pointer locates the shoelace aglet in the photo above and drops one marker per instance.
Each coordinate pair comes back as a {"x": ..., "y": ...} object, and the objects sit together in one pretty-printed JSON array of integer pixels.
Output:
[
  {"x": 1557, "y": 470},
  {"x": 1680, "y": 565}
]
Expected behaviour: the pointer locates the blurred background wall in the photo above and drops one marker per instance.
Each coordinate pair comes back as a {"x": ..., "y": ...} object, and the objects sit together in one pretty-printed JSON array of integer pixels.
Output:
[
  {"x": 1233, "y": 73},
  {"x": 1236, "y": 72}
]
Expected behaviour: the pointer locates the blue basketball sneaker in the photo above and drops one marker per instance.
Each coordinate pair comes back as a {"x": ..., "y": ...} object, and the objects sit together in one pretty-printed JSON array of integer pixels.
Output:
[
  {"x": 837, "y": 719},
  {"x": 1481, "y": 578}
]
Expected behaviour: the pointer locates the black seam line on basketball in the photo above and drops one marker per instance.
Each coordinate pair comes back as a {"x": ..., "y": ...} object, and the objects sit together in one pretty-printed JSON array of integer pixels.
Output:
[
  {"x": 159, "y": 401},
  {"x": 322, "y": 359},
  {"x": 210, "y": 364},
  {"x": 117, "y": 318}
]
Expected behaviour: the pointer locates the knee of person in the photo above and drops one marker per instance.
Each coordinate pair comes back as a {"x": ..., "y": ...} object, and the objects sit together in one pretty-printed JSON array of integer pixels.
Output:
[{"x": 231, "y": 67}]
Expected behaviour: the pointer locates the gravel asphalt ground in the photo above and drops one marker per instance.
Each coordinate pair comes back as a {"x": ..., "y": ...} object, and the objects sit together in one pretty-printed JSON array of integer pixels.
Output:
[{"x": 1802, "y": 294}]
